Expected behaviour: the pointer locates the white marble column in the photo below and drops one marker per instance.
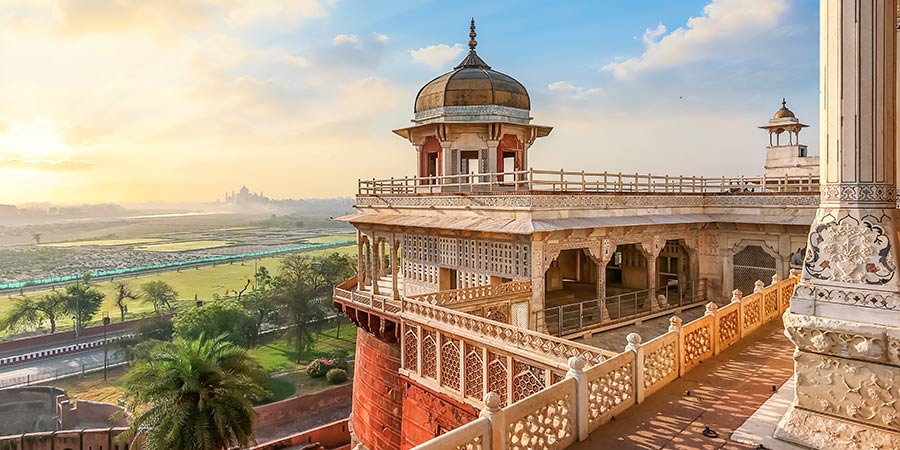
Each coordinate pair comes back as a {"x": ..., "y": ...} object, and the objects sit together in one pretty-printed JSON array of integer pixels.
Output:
[{"x": 845, "y": 313}]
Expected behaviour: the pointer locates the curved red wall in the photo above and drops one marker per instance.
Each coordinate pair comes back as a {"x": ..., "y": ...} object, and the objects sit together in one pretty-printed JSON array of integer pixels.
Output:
[{"x": 377, "y": 393}]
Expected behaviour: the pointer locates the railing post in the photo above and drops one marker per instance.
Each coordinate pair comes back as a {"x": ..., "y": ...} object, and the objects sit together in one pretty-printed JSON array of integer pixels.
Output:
[
  {"x": 494, "y": 414},
  {"x": 562, "y": 180},
  {"x": 530, "y": 178},
  {"x": 675, "y": 325},
  {"x": 712, "y": 310},
  {"x": 582, "y": 182},
  {"x": 634, "y": 345},
  {"x": 582, "y": 405},
  {"x": 580, "y": 316}
]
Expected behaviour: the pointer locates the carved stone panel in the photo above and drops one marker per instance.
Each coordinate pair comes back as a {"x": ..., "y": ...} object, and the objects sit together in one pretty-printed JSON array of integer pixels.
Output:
[{"x": 860, "y": 391}]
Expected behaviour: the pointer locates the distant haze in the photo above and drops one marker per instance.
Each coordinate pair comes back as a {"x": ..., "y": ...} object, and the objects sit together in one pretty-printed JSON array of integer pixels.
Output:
[{"x": 117, "y": 102}]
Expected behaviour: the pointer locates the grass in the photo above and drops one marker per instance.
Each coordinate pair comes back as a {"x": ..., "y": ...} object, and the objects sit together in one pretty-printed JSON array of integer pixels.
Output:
[
  {"x": 329, "y": 239},
  {"x": 286, "y": 378},
  {"x": 203, "y": 282},
  {"x": 280, "y": 354},
  {"x": 183, "y": 246},
  {"x": 93, "y": 387},
  {"x": 103, "y": 242}
]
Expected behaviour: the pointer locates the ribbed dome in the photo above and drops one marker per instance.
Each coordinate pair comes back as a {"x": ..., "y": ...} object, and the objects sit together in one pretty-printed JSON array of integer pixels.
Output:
[{"x": 473, "y": 83}]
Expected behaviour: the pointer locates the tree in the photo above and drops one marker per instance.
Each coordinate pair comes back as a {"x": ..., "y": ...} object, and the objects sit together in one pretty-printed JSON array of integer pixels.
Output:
[
  {"x": 216, "y": 318},
  {"x": 159, "y": 294},
  {"x": 83, "y": 302},
  {"x": 299, "y": 289},
  {"x": 123, "y": 292},
  {"x": 194, "y": 395},
  {"x": 31, "y": 312},
  {"x": 259, "y": 302},
  {"x": 37, "y": 238}
]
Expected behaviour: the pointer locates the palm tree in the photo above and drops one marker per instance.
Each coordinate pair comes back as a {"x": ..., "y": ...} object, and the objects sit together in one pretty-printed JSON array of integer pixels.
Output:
[{"x": 194, "y": 395}]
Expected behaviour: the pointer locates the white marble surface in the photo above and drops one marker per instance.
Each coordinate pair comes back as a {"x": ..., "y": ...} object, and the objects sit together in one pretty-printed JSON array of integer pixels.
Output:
[{"x": 760, "y": 427}]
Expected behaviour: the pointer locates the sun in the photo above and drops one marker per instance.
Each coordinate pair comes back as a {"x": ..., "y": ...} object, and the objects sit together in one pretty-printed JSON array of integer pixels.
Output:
[{"x": 33, "y": 141}]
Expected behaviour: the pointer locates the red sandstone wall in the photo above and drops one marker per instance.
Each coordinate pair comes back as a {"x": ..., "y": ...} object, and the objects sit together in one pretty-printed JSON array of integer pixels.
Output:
[
  {"x": 288, "y": 410},
  {"x": 427, "y": 414},
  {"x": 377, "y": 403},
  {"x": 332, "y": 436}
]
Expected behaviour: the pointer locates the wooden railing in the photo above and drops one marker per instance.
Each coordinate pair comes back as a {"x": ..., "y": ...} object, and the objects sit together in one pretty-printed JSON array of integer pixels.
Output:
[
  {"x": 585, "y": 399},
  {"x": 535, "y": 180}
]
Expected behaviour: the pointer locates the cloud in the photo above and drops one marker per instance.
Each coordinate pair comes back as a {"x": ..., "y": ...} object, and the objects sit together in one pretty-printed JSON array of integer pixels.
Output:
[
  {"x": 345, "y": 39},
  {"x": 45, "y": 164},
  {"x": 567, "y": 88},
  {"x": 350, "y": 51},
  {"x": 723, "y": 26},
  {"x": 437, "y": 56}
]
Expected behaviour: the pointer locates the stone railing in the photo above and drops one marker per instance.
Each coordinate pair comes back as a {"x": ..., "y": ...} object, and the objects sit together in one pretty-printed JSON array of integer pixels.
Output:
[
  {"x": 466, "y": 356},
  {"x": 583, "y": 400},
  {"x": 535, "y": 180},
  {"x": 474, "y": 294}
]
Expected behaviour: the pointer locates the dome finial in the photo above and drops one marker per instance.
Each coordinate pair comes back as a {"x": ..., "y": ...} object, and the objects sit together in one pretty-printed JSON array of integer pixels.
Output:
[
  {"x": 472, "y": 34},
  {"x": 783, "y": 102}
]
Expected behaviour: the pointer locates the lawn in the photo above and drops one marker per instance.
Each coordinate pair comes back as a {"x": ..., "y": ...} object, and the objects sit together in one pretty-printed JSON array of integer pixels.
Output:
[
  {"x": 104, "y": 242},
  {"x": 203, "y": 282},
  {"x": 183, "y": 246},
  {"x": 286, "y": 378},
  {"x": 280, "y": 354}
]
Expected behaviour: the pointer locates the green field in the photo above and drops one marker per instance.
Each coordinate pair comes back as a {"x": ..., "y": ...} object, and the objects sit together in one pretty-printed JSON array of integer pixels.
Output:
[
  {"x": 103, "y": 242},
  {"x": 183, "y": 246},
  {"x": 203, "y": 282},
  {"x": 329, "y": 239}
]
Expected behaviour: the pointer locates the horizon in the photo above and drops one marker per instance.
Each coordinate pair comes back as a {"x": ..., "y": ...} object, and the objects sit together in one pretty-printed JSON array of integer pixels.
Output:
[{"x": 170, "y": 102}]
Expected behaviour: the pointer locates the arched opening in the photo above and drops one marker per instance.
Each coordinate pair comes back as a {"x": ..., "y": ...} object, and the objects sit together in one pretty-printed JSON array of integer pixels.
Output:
[
  {"x": 750, "y": 264},
  {"x": 626, "y": 271},
  {"x": 673, "y": 272},
  {"x": 431, "y": 160},
  {"x": 510, "y": 157}
]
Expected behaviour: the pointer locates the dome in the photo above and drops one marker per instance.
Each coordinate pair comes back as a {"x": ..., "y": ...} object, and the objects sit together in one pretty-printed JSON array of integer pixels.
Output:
[
  {"x": 784, "y": 112},
  {"x": 472, "y": 83}
]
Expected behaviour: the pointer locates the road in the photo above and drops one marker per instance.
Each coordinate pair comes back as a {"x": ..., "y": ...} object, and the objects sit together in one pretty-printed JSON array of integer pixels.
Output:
[
  {"x": 61, "y": 342},
  {"x": 50, "y": 367}
]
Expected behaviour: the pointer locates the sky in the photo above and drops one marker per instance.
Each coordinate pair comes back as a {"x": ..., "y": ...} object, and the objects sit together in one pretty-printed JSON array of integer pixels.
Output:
[{"x": 185, "y": 100}]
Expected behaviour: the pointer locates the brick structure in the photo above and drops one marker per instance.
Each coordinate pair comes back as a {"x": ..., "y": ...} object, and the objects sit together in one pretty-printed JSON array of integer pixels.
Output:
[
  {"x": 377, "y": 406},
  {"x": 427, "y": 414}
]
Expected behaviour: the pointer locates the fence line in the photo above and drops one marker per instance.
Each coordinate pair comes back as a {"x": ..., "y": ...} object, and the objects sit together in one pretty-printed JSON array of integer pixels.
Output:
[{"x": 172, "y": 265}]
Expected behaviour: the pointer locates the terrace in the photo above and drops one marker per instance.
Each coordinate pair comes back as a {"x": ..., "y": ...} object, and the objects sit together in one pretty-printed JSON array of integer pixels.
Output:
[{"x": 513, "y": 373}]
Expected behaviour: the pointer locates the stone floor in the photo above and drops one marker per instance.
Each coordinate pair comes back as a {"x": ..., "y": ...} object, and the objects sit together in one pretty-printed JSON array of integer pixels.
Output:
[
  {"x": 720, "y": 393},
  {"x": 614, "y": 340}
]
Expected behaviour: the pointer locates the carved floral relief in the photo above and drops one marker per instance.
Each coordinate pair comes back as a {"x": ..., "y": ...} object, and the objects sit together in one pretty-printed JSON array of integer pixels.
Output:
[{"x": 850, "y": 251}]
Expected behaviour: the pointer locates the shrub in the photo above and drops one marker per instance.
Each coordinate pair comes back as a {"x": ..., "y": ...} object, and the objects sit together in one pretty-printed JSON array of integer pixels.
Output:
[
  {"x": 336, "y": 376},
  {"x": 321, "y": 366}
]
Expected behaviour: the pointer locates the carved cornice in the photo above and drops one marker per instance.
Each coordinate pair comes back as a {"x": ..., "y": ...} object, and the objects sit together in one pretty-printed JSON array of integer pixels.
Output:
[
  {"x": 868, "y": 193},
  {"x": 842, "y": 338}
]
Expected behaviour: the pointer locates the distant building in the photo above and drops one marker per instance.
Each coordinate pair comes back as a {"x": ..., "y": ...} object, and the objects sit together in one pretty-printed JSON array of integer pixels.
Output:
[{"x": 245, "y": 197}]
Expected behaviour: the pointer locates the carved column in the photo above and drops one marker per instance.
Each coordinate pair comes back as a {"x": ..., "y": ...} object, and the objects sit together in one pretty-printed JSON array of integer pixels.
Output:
[
  {"x": 651, "y": 251},
  {"x": 845, "y": 313},
  {"x": 360, "y": 262},
  {"x": 395, "y": 269}
]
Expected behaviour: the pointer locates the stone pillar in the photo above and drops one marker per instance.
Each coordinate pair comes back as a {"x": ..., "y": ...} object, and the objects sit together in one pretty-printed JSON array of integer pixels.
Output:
[
  {"x": 845, "y": 312},
  {"x": 373, "y": 261},
  {"x": 360, "y": 262},
  {"x": 395, "y": 269},
  {"x": 651, "y": 252}
]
